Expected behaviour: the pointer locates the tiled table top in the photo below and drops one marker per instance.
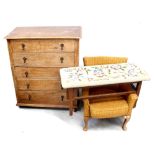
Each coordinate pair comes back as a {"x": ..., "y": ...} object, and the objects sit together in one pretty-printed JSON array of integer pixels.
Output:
[{"x": 74, "y": 77}]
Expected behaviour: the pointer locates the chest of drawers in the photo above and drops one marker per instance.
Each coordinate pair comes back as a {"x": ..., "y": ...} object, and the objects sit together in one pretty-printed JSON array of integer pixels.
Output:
[{"x": 36, "y": 56}]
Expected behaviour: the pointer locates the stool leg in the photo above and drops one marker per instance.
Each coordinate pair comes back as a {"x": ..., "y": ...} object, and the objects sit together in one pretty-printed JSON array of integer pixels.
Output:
[
  {"x": 85, "y": 128},
  {"x": 127, "y": 118}
]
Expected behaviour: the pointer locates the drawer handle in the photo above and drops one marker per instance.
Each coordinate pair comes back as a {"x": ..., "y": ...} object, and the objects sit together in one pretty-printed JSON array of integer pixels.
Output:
[
  {"x": 29, "y": 97},
  {"x": 23, "y": 47},
  {"x": 27, "y": 85},
  {"x": 62, "y": 46},
  {"x": 61, "y": 59},
  {"x": 26, "y": 74},
  {"x": 24, "y": 59},
  {"x": 62, "y": 98}
]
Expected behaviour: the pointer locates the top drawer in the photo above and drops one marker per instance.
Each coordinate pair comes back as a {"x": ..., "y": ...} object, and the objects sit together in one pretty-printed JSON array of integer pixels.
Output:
[{"x": 44, "y": 45}]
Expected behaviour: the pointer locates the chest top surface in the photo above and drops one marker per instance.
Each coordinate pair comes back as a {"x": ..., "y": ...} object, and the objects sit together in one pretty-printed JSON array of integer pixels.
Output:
[
  {"x": 101, "y": 75},
  {"x": 70, "y": 32}
]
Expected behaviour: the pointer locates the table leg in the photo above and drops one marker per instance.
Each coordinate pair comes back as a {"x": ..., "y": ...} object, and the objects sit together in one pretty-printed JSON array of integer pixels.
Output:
[
  {"x": 70, "y": 97},
  {"x": 138, "y": 88}
]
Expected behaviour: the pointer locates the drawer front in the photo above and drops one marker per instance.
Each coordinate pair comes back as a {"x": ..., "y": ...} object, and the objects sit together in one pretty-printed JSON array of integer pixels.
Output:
[
  {"x": 36, "y": 73},
  {"x": 47, "y": 45},
  {"x": 53, "y": 85},
  {"x": 42, "y": 97},
  {"x": 57, "y": 46},
  {"x": 25, "y": 45},
  {"x": 43, "y": 59}
]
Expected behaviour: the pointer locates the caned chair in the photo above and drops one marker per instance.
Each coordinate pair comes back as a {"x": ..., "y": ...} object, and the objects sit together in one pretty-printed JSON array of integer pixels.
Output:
[{"x": 112, "y": 106}]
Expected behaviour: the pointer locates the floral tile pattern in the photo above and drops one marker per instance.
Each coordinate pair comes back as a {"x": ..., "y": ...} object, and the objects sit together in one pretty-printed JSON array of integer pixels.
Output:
[{"x": 101, "y": 75}]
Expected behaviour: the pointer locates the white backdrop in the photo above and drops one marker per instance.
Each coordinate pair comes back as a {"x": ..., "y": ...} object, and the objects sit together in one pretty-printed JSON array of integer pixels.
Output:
[{"x": 109, "y": 27}]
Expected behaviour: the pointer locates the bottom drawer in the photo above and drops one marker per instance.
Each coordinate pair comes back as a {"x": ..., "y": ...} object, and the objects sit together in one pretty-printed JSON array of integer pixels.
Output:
[{"x": 42, "y": 98}]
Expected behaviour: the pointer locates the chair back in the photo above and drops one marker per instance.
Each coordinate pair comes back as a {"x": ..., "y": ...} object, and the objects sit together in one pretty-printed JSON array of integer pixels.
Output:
[{"x": 101, "y": 60}]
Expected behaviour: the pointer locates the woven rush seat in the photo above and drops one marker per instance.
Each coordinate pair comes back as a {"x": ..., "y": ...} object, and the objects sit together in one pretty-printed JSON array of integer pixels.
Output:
[{"x": 109, "y": 109}]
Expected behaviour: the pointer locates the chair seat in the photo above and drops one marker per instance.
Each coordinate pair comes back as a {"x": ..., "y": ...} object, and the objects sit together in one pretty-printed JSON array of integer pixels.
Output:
[{"x": 108, "y": 109}]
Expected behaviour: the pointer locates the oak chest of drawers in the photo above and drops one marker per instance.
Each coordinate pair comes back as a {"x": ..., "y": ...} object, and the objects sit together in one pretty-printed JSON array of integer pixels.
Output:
[{"x": 36, "y": 55}]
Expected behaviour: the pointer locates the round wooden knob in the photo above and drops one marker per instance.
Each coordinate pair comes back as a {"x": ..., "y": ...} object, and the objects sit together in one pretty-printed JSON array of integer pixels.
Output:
[
  {"x": 27, "y": 85},
  {"x": 62, "y": 46},
  {"x": 24, "y": 59},
  {"x": 62, "y": 98},
  {"x": 26, "y": 74},
  {"x": 61, "y": 59},
  {"x": 29, "y": 97},
  {"x": 23, "y": 46}
]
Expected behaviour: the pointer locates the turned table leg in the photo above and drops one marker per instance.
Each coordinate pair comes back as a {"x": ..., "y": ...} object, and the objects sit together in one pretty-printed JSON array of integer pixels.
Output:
[{"x": 70, "y": 97}]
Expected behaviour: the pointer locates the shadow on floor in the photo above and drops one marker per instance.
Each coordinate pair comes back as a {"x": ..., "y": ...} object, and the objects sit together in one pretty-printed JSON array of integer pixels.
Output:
[
  {"x": 93, "y": 124},
  {"x": 77, "y": 119}
]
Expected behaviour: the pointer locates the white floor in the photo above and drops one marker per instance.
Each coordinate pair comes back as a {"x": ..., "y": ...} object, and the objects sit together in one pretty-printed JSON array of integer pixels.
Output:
[
  {"x": 48, "y": 131},
  {"x": 109, "y": 28}
]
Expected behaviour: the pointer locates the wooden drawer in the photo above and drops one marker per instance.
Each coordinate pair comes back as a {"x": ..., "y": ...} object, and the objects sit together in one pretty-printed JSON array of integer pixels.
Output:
[
  {"x": 53, "y": 85},
  {"x": 43, "y": 59},
  {"x": 36, "y": 73},
  {"x": 57, "y": 46},
  {"x": 25, "y": 45},
  {"x": 41, "y": 97},
  {"x": 47, "y": 45}
]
